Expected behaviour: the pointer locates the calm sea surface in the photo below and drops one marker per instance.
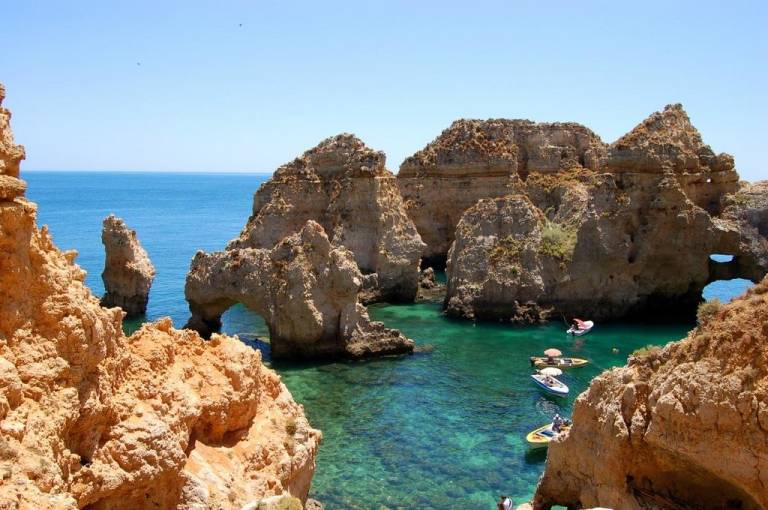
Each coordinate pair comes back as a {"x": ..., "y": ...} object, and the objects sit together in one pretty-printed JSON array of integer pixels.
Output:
[{"x": 443, "y": 428}]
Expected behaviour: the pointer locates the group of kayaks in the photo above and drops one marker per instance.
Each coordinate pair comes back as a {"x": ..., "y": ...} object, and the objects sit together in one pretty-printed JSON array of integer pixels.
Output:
[{"x": 548, "y": 368}]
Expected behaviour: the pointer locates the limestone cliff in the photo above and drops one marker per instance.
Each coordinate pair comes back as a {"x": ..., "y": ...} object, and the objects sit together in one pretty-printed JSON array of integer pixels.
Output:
[
  {"x": 475, "y": 159},
  {"x": 92, "y": 419},
  {"x": 685, "y": 426},
  {"x": 344, "y": 186},
  {"x": 128, "y": 272},
  {"x": 305, "y": 288},
  {"x": 634, "y": 237}
]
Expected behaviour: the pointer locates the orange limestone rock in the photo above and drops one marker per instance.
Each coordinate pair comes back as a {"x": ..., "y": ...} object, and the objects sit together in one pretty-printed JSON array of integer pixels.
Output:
[
  {"x": 161, "y": 419},
  {"x": 631, "y": 234},
  {"x": 475, "y": 159},
  {"x": 128, "y": 272},
  {"x": 345, "y": 187},
  {"x": 305, "y": 288},
  {"x": 684, "y": 426}
]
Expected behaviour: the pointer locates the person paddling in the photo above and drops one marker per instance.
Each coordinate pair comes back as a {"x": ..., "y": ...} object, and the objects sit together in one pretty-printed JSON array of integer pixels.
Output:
[{"x": 504, "y": 503}]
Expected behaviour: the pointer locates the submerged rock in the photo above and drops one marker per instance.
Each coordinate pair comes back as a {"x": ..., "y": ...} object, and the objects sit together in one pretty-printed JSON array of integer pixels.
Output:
[
  {"x": 92, "y": 419},
  {"x": 683, "y": 426},
  {"x": 306, "y": 290},
  {"x": 344, "y": 186},
  {"x": 475, "y": 159},
  {"x": 634, "y": 238},
  {"x": 128, "y": 272}
]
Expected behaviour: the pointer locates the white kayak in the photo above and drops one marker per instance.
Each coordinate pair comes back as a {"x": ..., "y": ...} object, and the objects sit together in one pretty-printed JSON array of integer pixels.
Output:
[
  {"x": 550, "y": 385},
  {"x": 588, "y": 325}
]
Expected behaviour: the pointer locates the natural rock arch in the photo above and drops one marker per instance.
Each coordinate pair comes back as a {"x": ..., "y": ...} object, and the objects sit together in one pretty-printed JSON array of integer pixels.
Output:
[{"x": 305, "y": 289}]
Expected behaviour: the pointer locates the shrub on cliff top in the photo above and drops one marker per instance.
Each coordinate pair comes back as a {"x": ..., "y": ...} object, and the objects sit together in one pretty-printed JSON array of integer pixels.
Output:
[
  {"x": 558, "y": 240},
  {"x": 708, "y": 309}
]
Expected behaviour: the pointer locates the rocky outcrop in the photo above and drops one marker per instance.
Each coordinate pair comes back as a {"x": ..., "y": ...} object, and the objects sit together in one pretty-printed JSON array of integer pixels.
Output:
[
  {"x": 667, "y": 142},
  {"x": 633, "y": 238},
  {"x": 11, "y": 156},
  {"x": 475, "y": 159},
  {"x": 305, "y": 288},
  {"x": 92, "y": 419},
  {"x": 128, "y": 272},
  {"x": 344, "y": 186},
  {"x": 683, "y": 426}
]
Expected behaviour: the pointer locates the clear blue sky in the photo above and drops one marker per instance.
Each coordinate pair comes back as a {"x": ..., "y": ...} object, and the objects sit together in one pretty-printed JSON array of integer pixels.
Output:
[{"x": 211, "y": 95}]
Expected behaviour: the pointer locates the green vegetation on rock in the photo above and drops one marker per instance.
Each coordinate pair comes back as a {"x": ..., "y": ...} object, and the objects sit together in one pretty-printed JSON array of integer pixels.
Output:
[{"x": 558, "y": 240}]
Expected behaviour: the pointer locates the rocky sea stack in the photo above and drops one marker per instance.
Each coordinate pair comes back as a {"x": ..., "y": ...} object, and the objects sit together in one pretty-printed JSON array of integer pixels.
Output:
[
  {"x": 128, "y": 272},
  {"x": 328, "y": 230},
  {"x": 90, "y": 418},
  {"x": 545, "y": 219},
  {"x": 682, "y": 426},
  {"x": 306, "y": 290},
  {"x": 345, "y": 187}
]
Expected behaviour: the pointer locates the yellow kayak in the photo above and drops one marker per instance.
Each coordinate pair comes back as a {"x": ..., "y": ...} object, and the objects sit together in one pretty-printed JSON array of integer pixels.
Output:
[
  {"x": 559, "y": 362},
  {"x": 541, "y": 437}
]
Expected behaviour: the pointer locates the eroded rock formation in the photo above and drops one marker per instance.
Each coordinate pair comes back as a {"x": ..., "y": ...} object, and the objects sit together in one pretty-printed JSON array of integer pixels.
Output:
[
  {"x": 305, "y": 288},
  {"x": 633, "y": 235},
  {"x": 128, "y": 272},
  {"x": 475, "y": 159},
  {"x": 344, "y": 186},
  {"x": 92, "y": 419},
  {"x": 680, "y": 427}
]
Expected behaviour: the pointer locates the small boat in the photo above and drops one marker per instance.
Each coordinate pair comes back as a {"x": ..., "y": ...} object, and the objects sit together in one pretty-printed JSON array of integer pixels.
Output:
[
  {"x": 549, "y": 384},
  {"x": 584, "y": 328},
  {"x": 542, "y": 436},
  {"x": 558, "y": 362}
]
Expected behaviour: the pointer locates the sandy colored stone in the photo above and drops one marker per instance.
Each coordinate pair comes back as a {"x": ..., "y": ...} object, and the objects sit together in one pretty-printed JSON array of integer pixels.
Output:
[
  {"x": 160, "y": 419},
  {"x": 345, "y": 187},
  {"x": 11, "y": 154},
  {"x": 128, "y": 272},
  {"x": 630, "y": 240},
  {"x": 11, "y": 187},
  {"x": 305, "y": 288},
  {"x": 475, "y": 159},
  {"x": 684, "y": 426}
]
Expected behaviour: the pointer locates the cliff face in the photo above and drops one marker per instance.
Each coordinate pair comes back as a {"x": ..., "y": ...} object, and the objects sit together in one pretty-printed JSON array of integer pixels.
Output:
[
  {"x": 344, "y": 186},
  {"x": 633, "y": 238},
  {"x": 160, "y": 419},
  {"x": 128, "y": 272},
  {"x": 475, "y": 159},
  {"x": 306, "y": 290},
  {"x": 680, "y": 427}
]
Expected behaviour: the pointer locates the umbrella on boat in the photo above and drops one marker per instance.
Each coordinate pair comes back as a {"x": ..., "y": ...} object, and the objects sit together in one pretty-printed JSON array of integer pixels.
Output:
[
  {"x": 551, "y": 371},
  {"x": 553, "y": 353}
]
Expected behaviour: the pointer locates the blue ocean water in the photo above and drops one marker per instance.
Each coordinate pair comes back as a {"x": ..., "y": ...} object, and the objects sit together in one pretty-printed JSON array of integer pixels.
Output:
[{"x": 443, "y": 428}]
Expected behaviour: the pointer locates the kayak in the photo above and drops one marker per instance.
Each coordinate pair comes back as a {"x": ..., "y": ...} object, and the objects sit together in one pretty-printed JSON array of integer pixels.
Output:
[
  {"x": 556, "y": 388},
  {"x": 588, "y": 325},
  {"x": 542, "y": 436},
  {"x": 559, "y": 362}
]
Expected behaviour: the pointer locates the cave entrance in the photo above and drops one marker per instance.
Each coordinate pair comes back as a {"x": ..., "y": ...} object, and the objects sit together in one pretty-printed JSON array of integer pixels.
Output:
[{"x": 725, "y": 278}]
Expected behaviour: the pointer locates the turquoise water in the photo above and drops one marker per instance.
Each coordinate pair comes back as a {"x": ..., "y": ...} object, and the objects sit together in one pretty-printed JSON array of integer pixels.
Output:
[{"x": 443, "y": 428}]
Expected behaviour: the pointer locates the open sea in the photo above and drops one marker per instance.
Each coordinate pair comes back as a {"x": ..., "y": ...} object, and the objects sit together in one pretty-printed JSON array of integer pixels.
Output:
[{"x": 443, "y": 428}]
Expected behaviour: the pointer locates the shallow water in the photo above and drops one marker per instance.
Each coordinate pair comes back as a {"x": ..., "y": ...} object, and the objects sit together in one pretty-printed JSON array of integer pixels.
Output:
[{"x": 442, "y": 428}]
